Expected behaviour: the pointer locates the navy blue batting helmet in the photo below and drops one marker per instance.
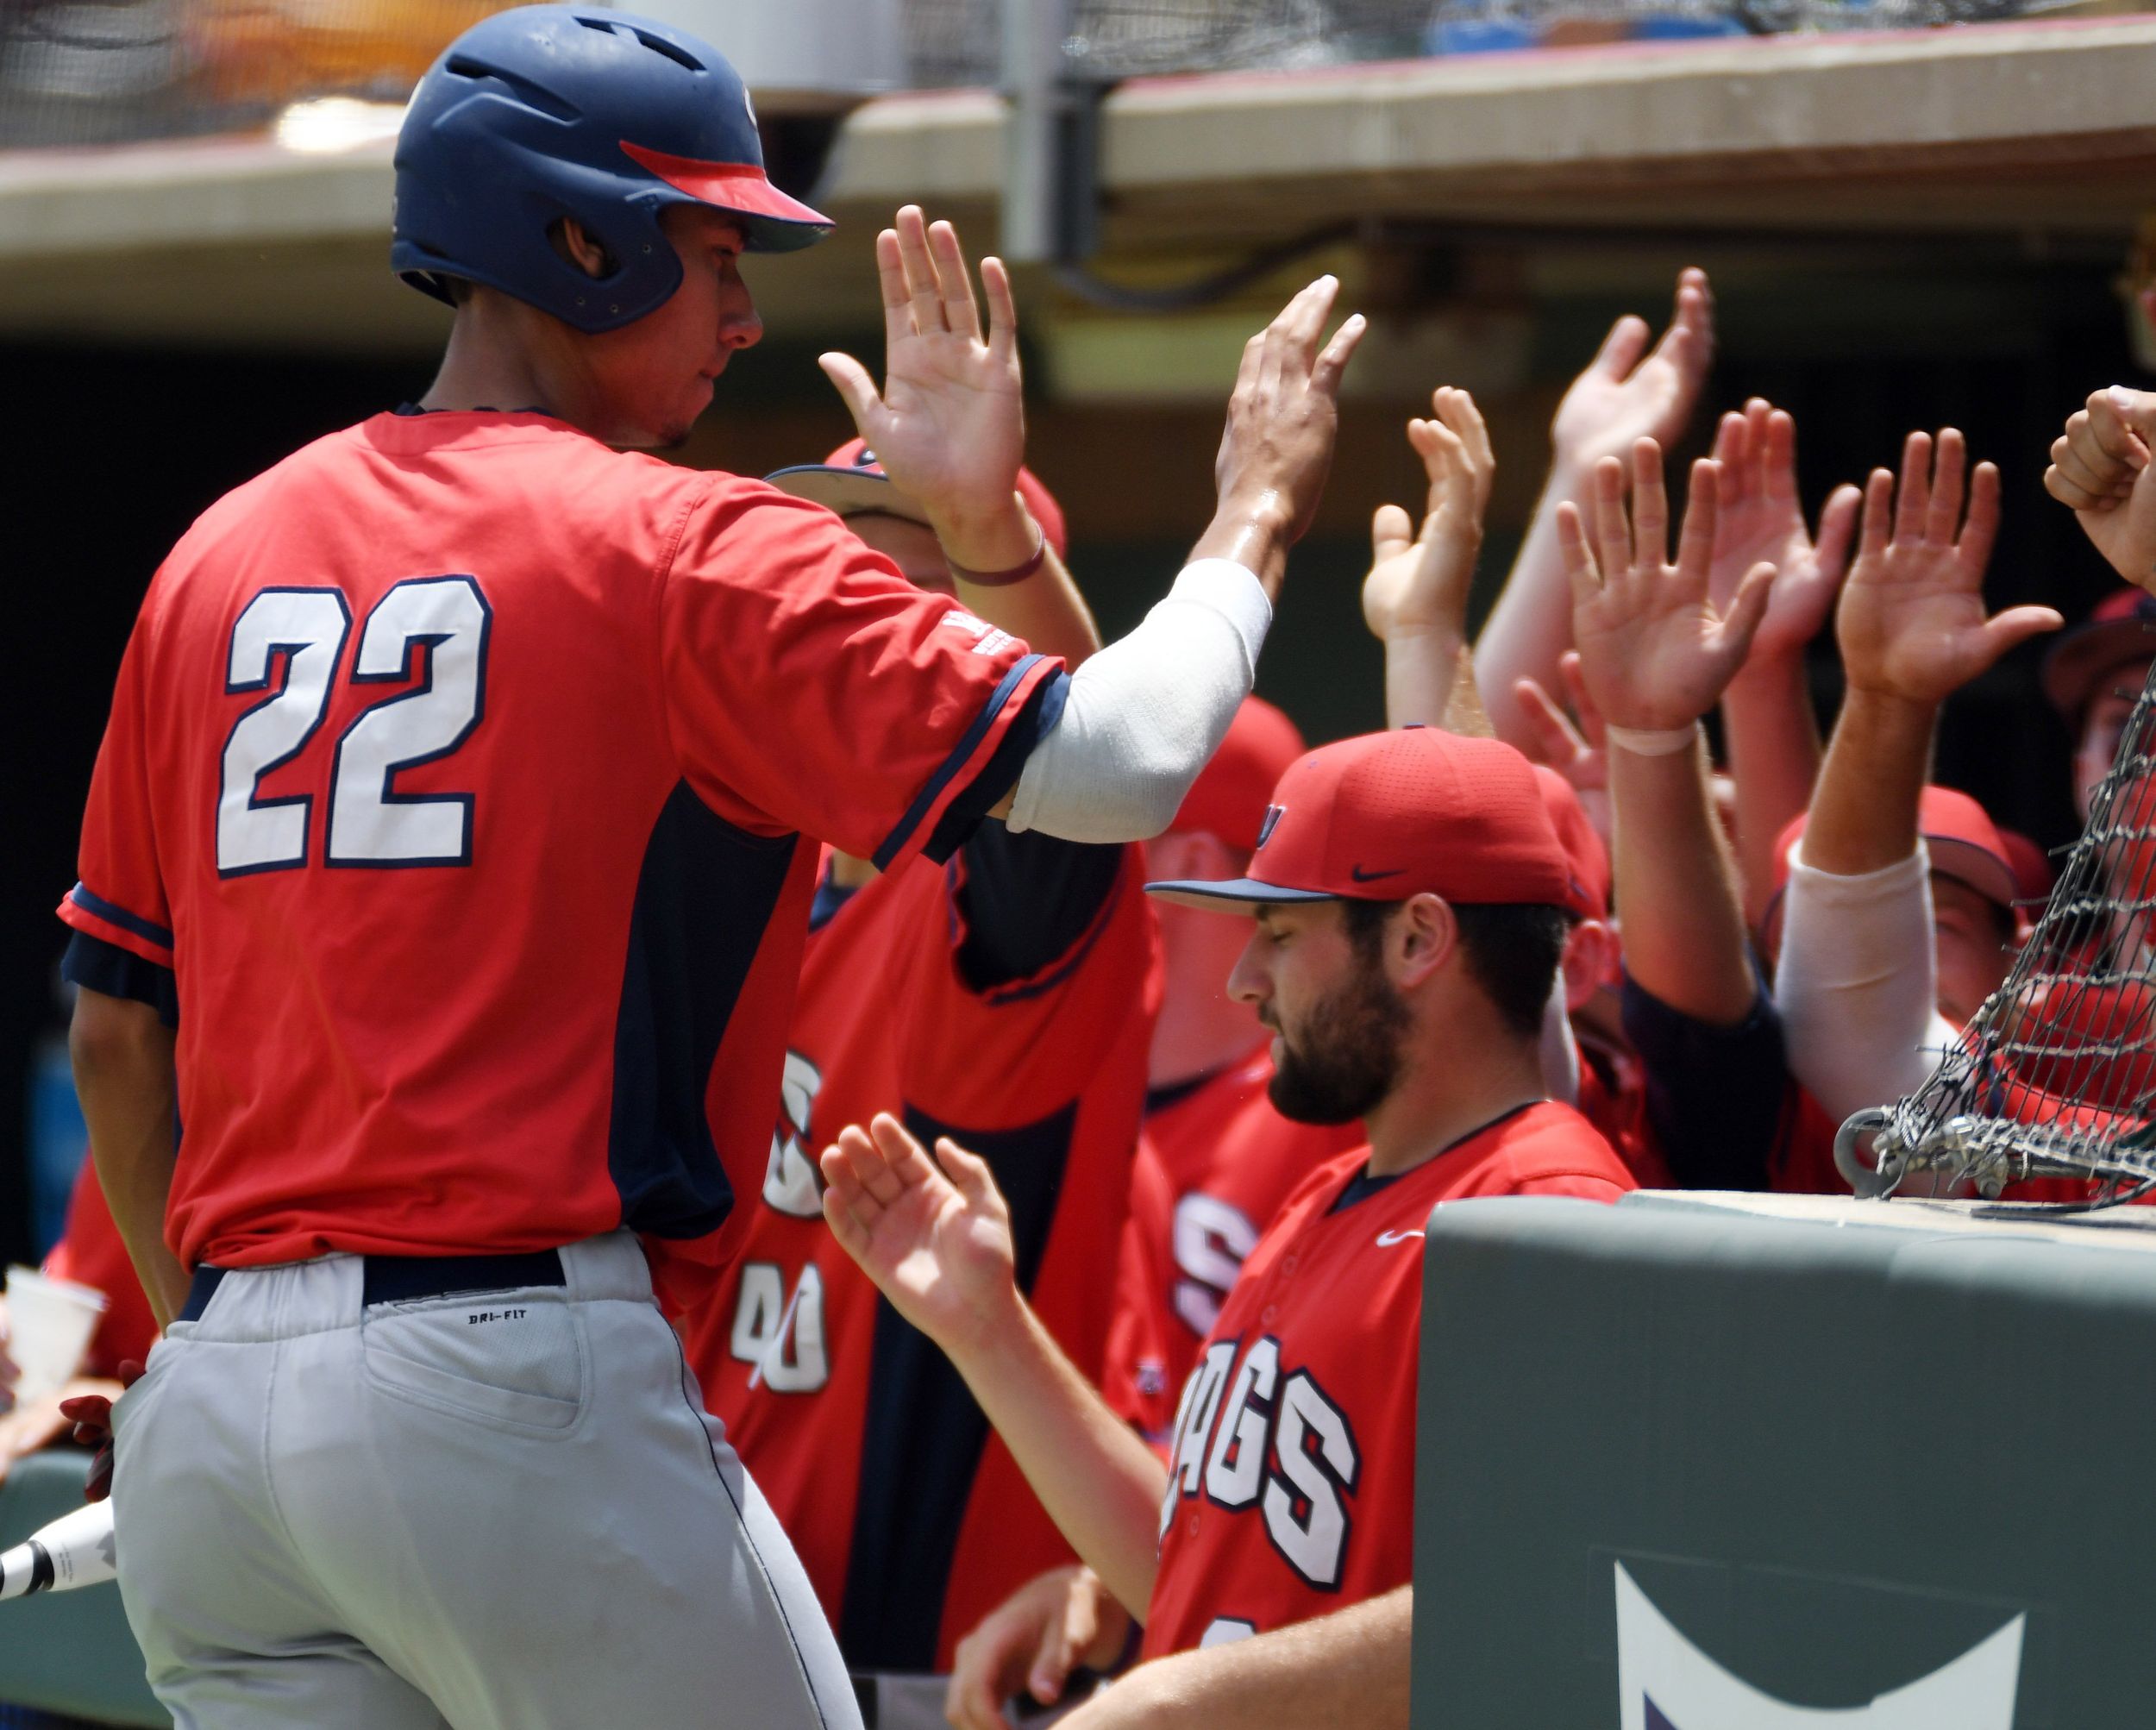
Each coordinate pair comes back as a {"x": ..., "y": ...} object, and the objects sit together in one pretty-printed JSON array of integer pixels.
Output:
[{"x": 544, "y": 112}]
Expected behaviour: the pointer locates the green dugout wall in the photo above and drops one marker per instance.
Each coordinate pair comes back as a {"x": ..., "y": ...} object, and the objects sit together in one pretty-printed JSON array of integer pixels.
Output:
[{"x": 1754, "y": 1463}]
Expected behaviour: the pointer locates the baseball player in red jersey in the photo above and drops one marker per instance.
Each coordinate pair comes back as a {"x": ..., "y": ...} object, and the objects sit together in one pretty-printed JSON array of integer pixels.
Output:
[
  {"x": 456, "y": 786},
  {"x": 1005, "y": 999},
  {"x": 1288, "y": 1490}
]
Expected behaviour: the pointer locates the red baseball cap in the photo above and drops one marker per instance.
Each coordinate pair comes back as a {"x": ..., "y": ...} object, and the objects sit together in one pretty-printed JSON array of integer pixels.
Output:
[
  {"x": 2033, "y": 871},
  {"x": 1230, "y": 795},
  {"x": 1386, "y": 816},
  {"x": 852, "y": 482},
  {"x": 2119, "y": 631},
  {"x": 1585, "y": 856},
  {"x": 1959, "y": 836}
]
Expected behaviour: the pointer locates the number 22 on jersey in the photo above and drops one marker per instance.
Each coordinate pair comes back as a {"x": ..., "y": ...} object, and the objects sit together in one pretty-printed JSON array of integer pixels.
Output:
[{"x": 428, "y": 634}]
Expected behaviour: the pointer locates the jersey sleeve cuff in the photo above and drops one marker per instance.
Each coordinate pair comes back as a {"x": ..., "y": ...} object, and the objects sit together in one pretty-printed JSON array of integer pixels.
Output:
[
  {"x": 114, "y": 925},
  {"x": 983, "y": 766},
  {"x": 96, "y": 965}
]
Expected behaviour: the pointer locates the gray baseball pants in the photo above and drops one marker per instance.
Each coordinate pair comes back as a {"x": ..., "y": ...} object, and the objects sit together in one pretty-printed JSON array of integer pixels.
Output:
[{"x": 503, "y": 1509}]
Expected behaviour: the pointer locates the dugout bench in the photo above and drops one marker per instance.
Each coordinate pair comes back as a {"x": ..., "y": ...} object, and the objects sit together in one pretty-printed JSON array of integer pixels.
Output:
[
  {"x": 1750, "y": 1463},
  {"x": 68, "y": 1652}
]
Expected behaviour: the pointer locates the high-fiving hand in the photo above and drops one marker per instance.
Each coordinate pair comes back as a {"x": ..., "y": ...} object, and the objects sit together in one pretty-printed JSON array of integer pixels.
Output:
[
  {"x": 1655, "y": 652},
  {"x": 1418, "y": 580},
  {"x": 949, "y": 426},
  {"x": 1760, "y": 519},
  {"x": 934, "y": 1234},
  {"x": 1912, "y": 623},
  {"x": 1622, "y": 396}
]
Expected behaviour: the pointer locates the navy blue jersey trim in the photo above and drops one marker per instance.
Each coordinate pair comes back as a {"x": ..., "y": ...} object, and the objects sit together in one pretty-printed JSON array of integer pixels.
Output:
[
  {"x": 964, "y": 815},
  {"x": 113, "y": 915},
  {"x": 967, "y": 745},
  {"x": 705, "y": 900},
  {"x": 1042, "y": 984},
  {"x": 96, "y": 965}
]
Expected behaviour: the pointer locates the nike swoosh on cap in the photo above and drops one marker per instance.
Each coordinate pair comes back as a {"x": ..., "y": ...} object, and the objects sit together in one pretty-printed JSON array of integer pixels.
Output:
[{"x": 1363, "y": 876}]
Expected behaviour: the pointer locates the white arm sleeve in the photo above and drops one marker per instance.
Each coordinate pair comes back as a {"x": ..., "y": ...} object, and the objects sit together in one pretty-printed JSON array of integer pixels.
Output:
[
  {"x": 1147, "y": 712},
  {"x": 1858, "y": 984}
]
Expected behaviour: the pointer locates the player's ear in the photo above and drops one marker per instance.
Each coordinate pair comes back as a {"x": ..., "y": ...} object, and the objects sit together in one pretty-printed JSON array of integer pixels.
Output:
[
  {"x": 569, "y": 239},
  {"x": 1420, "y": 937}
]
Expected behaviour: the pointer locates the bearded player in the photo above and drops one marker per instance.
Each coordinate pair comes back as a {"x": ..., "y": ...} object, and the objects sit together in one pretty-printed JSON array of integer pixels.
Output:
[
  {"x": 1406, "y": 908},
  {"x": 458, "y": 777}
]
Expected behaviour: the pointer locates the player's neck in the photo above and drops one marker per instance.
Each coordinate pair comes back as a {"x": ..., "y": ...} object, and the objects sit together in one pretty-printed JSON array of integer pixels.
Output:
[
  {"x": 490, "y": 363},
  {"x": 1452, "y": 1083}
]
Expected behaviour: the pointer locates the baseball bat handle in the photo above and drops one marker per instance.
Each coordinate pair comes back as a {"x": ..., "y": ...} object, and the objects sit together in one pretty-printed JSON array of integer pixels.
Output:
[{"x": 76, "y": 1550}]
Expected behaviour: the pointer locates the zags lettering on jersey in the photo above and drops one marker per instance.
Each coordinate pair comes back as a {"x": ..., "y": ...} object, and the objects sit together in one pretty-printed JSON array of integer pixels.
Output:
[
  {"x": 307, "y": 626},
  {"x": 1294, "y": 1454},
  {"x": 782, "y": 1337},
  {"x": 1210, "y": 1240},
  {"x": 434, "y": 629}
]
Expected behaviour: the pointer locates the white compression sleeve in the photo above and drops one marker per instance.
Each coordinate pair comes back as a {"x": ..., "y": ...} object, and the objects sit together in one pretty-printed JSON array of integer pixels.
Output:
[
  {"x": 1145, "y": 715},
  {"x": 1857, "y": 983}
]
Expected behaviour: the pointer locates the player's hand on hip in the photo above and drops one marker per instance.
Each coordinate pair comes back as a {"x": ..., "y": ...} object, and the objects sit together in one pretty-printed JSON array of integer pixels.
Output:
[
  {"x": 1419, "y": 578},
  {"x": 949, "y": 426},
  {"x": 1628, "y": 394},
  {"x": 934, "y": 1234},
  {"x": 1281, "y": 419},
  {"x": 2100, "y": 467},
  {"x": 1030, "y": 1644},
  {"x": 1655, "y": 652},
  {"x": 1912, "y": 623}
]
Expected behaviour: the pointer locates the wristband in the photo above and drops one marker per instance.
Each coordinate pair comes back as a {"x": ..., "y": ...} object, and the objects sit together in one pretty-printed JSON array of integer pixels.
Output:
[
  {"x": 1017, "y": 574},
  {"x": 1652, "y": 742}
]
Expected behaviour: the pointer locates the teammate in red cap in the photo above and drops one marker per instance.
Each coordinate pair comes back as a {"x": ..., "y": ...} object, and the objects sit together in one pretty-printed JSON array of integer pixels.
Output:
[
  {"x": 1408, "y": 897},
  {"x": 1005, "y": 999}
]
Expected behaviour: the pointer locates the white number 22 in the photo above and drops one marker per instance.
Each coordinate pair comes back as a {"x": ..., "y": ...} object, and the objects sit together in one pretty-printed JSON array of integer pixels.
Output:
[{"x": 370, "y": 823}]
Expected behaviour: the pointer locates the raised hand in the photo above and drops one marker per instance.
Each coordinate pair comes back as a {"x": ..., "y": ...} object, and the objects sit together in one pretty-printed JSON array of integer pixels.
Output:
[
  {"x": 2100, "y": 467},
  {"x": 1760, "y": 521},
  {"x": 934, "y": 1234},
  {"x": 1419, "y": 580},
  {"x": 949, "y": 426},
  {"x": 1577, "y": 748},
  {"x": 1655, "y": 652},
  {"x": 1278, "y": 443},
  {"x": 1912, "y": 623},
  {"x": 1621, "y": 398}
]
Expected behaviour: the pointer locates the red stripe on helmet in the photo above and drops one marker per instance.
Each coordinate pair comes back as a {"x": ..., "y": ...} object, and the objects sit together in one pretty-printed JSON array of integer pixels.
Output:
[{"x": 740, "y": 187}]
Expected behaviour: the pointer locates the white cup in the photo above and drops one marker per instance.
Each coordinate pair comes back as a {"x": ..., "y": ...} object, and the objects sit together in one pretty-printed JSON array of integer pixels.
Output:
[{"x": 49, "y": 1325}]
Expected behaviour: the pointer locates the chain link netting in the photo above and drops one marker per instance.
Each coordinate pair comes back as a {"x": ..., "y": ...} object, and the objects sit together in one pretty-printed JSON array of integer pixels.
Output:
[{"x": 2055, "y": 1077}]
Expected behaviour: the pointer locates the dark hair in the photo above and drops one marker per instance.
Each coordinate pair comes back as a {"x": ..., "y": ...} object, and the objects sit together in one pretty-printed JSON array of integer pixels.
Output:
[{"x": 1512, "y": 950}]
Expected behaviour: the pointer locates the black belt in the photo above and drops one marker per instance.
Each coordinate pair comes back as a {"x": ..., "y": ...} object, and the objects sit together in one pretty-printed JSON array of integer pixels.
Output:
[{"x": 400, "y": 1279}]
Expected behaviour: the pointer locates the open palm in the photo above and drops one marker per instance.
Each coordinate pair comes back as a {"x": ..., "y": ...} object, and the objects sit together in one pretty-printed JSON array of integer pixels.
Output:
[
  {"x": 935, "y": 1238},
  {"x": 1621, "y": 397},
  {"x": 1419, "y": 583},
  {"x": 949, "y": 426},
  {"x": 1655, "y": 652},
  {"x": 1912, "y": 623},
  {"x": 1762, "y": 521}
]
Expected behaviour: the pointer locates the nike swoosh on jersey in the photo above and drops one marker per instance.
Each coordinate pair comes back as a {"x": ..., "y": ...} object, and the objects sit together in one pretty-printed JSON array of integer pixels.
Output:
[
  {"x": 1387, "y": 1239},
  {"x": 1363, "y": 876}
]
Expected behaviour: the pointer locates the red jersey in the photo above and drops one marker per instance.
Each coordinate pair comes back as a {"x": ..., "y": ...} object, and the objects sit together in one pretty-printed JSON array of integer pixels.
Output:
[
  {"x": 910, "y": 1515},
  {"x": 456, "y": 768},
  {"x": 1214, "y": 1164},
  {"x": 1291, "y": 1486},
  {"x": 1613, "y": 1098},
  {"x": 91, "y": 1252}
]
